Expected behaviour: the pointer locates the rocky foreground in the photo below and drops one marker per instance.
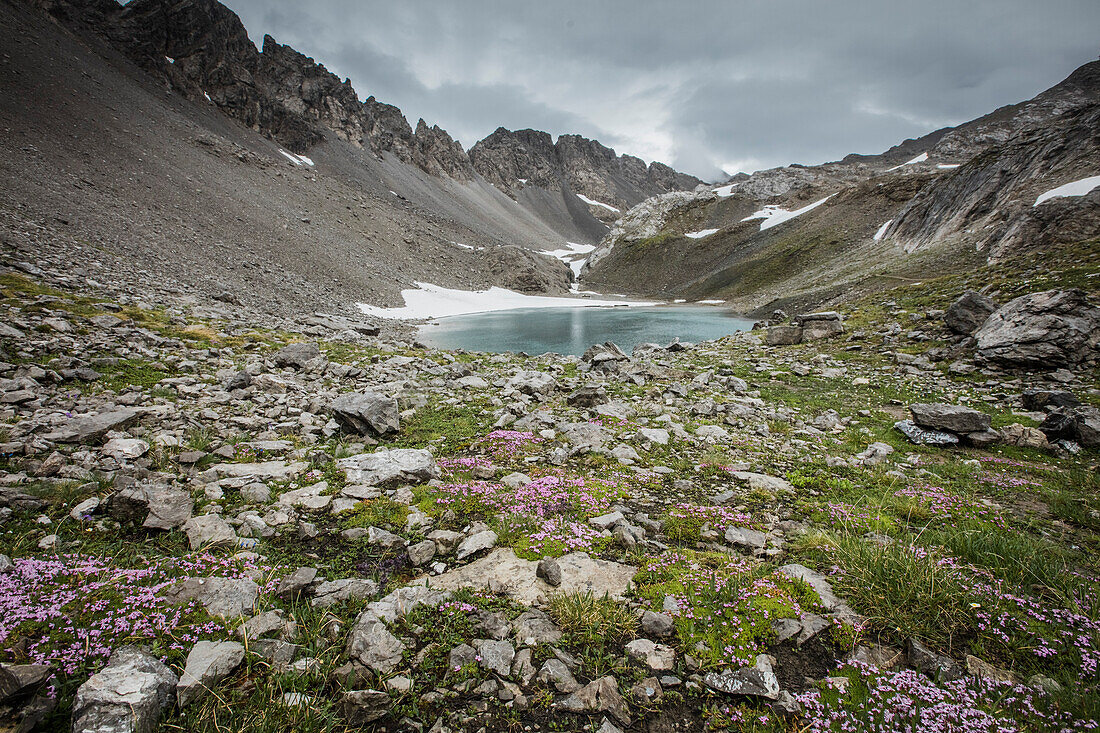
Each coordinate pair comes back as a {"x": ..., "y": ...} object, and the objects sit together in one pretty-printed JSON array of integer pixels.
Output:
[{"x": 879, "y": 518}]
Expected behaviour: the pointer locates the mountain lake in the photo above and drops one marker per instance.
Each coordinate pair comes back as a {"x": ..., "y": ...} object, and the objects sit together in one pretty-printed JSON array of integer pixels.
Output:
[{"x": 572, "y": 330}]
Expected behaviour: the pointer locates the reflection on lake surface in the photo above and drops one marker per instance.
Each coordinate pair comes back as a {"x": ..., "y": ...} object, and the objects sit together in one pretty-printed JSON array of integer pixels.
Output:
[{"x": 572, "y": 330}]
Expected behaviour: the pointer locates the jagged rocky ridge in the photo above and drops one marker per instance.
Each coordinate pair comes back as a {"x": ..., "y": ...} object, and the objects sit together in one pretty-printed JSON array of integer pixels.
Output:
[{"x": 200, "y": 49}]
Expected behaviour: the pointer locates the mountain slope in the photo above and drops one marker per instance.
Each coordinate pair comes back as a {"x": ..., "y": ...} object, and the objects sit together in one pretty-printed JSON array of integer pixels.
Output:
[
  {"x": 942, "y": 203},
  {"x": 200, "y": 49}
]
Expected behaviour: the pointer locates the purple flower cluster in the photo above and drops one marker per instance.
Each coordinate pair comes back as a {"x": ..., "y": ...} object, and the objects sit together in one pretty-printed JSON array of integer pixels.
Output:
[
  {"x": 719, "y": 518},
  {"x": 72, "y": 611},
  {"x": 507, "y": 444},
  {"x": 908, "y": 702},
  {"x": 948, "y": 507}
]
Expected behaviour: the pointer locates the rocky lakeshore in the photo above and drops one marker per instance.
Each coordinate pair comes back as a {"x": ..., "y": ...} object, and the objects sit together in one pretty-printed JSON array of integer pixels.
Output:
[{"x": 218, "y": 524}]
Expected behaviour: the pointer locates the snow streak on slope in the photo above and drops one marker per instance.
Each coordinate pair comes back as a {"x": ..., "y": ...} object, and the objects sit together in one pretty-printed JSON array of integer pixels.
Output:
[
  {"x": 296, "y": 159},
  {"x": 882, "y": 230},
  {"x": 433, "y": 301},
  {"x": 919, "y": 159},
  {"x": 700, "y": 234},
  {"x": 592, "y": 202},
  {"x": 1074, "y": 188},
  {"x": 774, "y": 216}
]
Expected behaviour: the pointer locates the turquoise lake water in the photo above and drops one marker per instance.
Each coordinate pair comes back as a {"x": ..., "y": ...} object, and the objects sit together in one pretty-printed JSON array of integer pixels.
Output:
[{"x": 572, "y": 330}]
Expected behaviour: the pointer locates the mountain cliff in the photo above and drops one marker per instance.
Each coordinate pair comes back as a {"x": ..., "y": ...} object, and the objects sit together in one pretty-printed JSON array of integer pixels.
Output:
[{"x": 200, "y": 49}]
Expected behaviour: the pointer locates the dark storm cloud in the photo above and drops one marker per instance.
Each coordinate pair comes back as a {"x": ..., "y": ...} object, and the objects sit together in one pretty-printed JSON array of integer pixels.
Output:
[{"x": 699, "y": 85}]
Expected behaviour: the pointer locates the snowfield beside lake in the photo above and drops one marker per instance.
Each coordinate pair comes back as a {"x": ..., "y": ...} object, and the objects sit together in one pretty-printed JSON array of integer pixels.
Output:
[{"x": 434, "y": 301}]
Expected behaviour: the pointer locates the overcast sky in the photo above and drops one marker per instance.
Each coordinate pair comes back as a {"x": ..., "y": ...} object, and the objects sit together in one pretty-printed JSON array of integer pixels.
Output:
[{"x": 734, "y": 85}]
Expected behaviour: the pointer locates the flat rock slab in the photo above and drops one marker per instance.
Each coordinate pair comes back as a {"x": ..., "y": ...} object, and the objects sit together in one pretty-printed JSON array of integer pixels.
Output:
[
  {"x": 264, "y": 471},
  {"x": 226, "y": 598},
  {"x": 385, "y": 467},
  {"x": 758, "y": 680},
  {"x": 952, "y": 418},
  {"x": 502, "y": 571},
  {"x": 91, "y": 428}
]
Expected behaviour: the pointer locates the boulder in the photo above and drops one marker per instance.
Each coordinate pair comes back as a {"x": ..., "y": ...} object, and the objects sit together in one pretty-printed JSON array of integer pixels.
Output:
[
  {"x": 21, "y": 680},
  {"x": 968, "y": 313},
  {"x": 1041, "y": 331},
  {"x": 951, "y": 418},
  {"x": 537, "y": 384},
  {"x": 126, "y": 696},
  {"x": 758, "y": 680},
  {"x": 296, "y": 356},
  {"x": 1043, "y": 399},
  {"x": 226, "y": 598},
  {"x": 599, "y": 696},
  {"x": 388, "y": 467},
  {"x": 91, "y": 428},
  {"x": 208, "y": 663},
  {"x": 1081, "y": 424},
  {"x": 920, "y": 436},
  {"x": 366, "y": 413},
  {"x": 331, "y": 592},
  {"x": 209, "y": 530},
  {"x": 360, "y": 707},
  {"x": 657, "y": 657},
  {"x": 588, "y": 396},
  {"x": 503, "y": 572},
  {"x": 372, "y": 645},
  {"x": 152, "y": 505},
  {"x": 783, "y": 335}
]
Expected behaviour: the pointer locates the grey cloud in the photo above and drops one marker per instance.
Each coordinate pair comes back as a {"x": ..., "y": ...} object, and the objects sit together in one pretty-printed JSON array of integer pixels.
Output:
[{"x": 697, "y": 84}]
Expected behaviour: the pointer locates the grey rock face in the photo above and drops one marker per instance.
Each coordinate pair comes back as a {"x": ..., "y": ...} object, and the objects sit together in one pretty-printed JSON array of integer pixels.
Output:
[
  {"x": 294, "y": 584},
  {"x": 208, "y": 663},
  {"x": 126, "y": 696},
  {"x": 156, "y": 506},
  {"x": 296, "y": 356},
  {"x": 21, "y": 680},
  {"x": 952, "y": 418},
  {"x": 745, "y": 537},
  {"x": 549, "y": 570},
  {"x": 657, "y": 657},
  {"x": 554, "y": 672},
  {"x": 1080, "y": 424},
  {"x": 366, "y": 413},
  {"x": 332, "y": 592},
  {"x": 371, "y": 644},
  {"x": 1041, "y": 331},
  {"x": 476, "y": 543},
  {"x": 656, "y": 624},
  {"x": 496, "y": 655},
  {"x": 968, "y": 313},
  {"x": 936, "y": 666}
]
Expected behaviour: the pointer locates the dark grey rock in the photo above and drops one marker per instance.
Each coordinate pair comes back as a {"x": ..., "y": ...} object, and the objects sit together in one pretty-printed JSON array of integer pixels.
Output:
[
  {"x": 366, "y": 413},
  {"x": 951, "y": 418},
  {"x": 920, "y": 436},
  {"x": 966, "y": 314}
]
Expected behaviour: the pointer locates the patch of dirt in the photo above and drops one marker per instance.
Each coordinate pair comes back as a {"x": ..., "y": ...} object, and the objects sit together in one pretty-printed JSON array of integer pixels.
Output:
[{"x": 811, "y": 661}]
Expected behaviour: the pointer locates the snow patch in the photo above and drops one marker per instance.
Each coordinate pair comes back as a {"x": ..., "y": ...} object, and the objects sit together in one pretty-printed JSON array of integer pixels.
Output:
[
  {"x": 295, "y": 159},
  {"x": 208, "y": 99},
  {"x": 592, "y": 202},
  {"x": 948, "y": 166},
  {"x": 710, "y": 302},
  {"x": 882, "y": 230},
  {"x": 919, "y": 159},
  {"x": 680, "y": 300},
  {"x": 726, "y": 190},
  {"x": 169, "y": 59},
  {"x": 434, "y": 301},
  {"x": 463, "y": 246},
  {"x": 1074, "y": 188},
  {"x": 774, "y": 215},
  {"x": 522, "y": 180},
  {"x": 701, "y": 233},
  {"x": 574, "y": 254}
]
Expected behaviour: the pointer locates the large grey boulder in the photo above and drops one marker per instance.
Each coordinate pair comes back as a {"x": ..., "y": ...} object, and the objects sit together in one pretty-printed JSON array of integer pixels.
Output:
[
  {"x": 968, "y": 313},
  {"x": 758, "y": 680},
  {"x": 296, "y": 356},
  {"x": 152, "y": 505},
  {"x": 372, "y": 645},
  {"x": 1042, "y": 331},
  {"x": 783, "y": 336},
  {"x": 226, "y": 598},
  {"x": 126, "y": 696},
  {"x": 209, "y": 530},
  {"x": 366, "y": 413},
  {"x": 952, "y": 418},
  {"x": 91, "y": 428},
  {"x": 208, "y": 663},
  {"x": 599, "y": 696},
  {"x": 1081, "y": 424},
  {"x": 537, "y": 384},
  {"x": 820, "y": 325},
  {"x": 386, "y": 467}
]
